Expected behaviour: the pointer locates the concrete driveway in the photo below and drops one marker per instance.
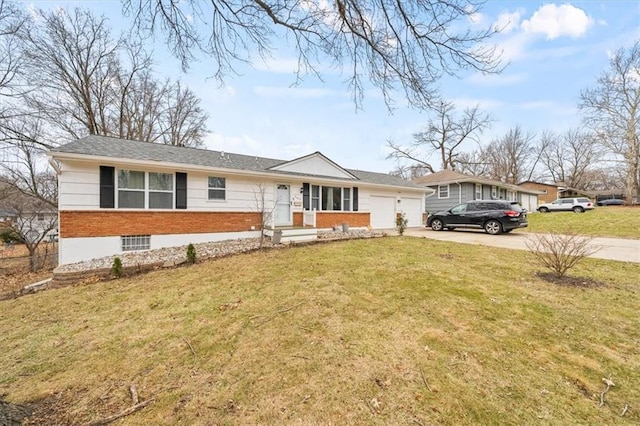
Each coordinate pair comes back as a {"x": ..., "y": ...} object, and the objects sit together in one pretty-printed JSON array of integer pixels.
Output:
[{"x": 624, "y": 250}]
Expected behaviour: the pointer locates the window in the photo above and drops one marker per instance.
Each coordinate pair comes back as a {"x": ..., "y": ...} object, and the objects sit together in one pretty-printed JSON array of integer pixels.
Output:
[
  {"x": 130, "y": 189},
  {"x": 160, "y": 190},
  {"x": 217, "y": 188},
  {"x": 331, "y": 198},
  {"x": 478, "y": 191},
  {"x": 494, "y": 192},
  {"x": 443, "y": 191},
  {"x": 315, "y": 197},
  {"x": 511, "y": 195},
  {"x": 346, "y": 199},
  {"x": 135, "y": 242},
  {"x": 461, "y": 208}
]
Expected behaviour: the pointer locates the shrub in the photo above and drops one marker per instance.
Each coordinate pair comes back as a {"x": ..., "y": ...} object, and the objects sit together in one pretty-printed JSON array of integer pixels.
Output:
[
  {"x": 401, "y": 223},
  {"x": 191, "y": 253},
  {"x": 558, "y": 252},
  {"x": 116, "y": 268},
  {"x": 9, "y": 235}
]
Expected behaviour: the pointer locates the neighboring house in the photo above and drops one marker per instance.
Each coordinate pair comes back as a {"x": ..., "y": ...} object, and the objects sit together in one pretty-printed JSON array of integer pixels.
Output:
[
  {"x": 452, "y": 188},
  {"x": 552, "y": 191},
  {"x": 117, "y": 195},
  {"x": 6, "y": 217},
  {"x": 31, "y": 218},
  {"x": 617, "y": 194}
]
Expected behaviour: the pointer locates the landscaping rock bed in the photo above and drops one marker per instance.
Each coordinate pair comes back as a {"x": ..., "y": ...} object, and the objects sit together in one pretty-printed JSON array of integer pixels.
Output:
[{"x": 140, "y": 261}]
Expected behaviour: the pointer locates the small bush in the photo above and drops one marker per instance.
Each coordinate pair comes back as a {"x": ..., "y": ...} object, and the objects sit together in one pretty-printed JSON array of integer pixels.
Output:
[
  {"x": 401, "y": 223},
  {"x": 191, "y": 254},
  {"x": 560, "y": 252},
  {"x": 9, "y": 235},
  {"x": 117, "y": 269}
]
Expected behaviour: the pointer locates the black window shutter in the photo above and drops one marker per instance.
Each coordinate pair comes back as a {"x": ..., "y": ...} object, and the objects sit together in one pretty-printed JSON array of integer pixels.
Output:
[
  {"x": 107, "y": 187},
  {"x": 355, "y": 199},
  {"x": 181, "y": 190},
  {"x": 305, "y": 197}
]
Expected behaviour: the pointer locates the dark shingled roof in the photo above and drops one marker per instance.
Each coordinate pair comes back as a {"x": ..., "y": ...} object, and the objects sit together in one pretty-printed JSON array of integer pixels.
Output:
[{"x": 103, "y": 146}]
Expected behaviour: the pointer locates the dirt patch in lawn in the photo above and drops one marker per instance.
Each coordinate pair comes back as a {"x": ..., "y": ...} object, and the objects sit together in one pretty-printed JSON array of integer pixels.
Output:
[{"x": 569, "y": 281}]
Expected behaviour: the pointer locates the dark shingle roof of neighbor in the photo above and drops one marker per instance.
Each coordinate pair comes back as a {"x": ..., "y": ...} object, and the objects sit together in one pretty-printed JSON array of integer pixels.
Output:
[{"x": 104, "y": 146}]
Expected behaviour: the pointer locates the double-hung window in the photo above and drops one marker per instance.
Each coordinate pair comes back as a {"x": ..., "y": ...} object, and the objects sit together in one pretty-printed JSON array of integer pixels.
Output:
[
  {"x": 443, "y": 191},
  {"x": 160, "y": 190},
  {"x": 494, "y": 192},
  {"x": 217, "y": 188},
  {"x": 346, "y": 199},
  {"x": 315, "y": 197},
  {"x": 139, "y": 190},
  {"x": 478, "y": 191},
  {"x": 131, "y": 189},
  {"x": 331, "y": 198}
]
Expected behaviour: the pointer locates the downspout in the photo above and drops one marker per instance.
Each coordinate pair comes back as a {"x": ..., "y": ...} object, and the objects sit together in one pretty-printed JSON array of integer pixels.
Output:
[{"x": 459, "y": 193}]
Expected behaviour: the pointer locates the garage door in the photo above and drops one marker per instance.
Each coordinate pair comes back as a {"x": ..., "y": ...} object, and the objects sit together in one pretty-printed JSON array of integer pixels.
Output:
[
  {"x": 529, "y": 202},
  {"x": 412, "y": 208},
  {"x": 383, "y": 212}
]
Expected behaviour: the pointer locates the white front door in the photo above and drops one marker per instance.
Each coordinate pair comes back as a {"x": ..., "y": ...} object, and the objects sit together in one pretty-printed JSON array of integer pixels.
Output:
[{"x": 283, "y": 206}]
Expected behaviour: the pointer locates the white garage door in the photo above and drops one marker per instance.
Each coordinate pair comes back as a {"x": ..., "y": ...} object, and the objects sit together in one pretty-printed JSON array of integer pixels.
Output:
[
  {"x": 383, "y": 212},
  {"x": 412, "y": 209},
  {"x": 529, "y": 202}
]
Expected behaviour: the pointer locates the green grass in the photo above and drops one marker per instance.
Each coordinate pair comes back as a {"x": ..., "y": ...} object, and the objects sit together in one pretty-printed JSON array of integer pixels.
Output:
[
  {"x": 338, "y": 333},
  {"x": 614, "y": 222}
]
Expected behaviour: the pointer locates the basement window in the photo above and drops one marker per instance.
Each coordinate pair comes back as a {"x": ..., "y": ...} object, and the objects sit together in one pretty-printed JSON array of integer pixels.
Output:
[{"x": 135, "y": 242}]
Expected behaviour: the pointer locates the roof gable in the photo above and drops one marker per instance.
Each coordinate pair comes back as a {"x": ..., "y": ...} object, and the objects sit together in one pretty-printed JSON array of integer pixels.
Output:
[{"x": 314, "y": 164}]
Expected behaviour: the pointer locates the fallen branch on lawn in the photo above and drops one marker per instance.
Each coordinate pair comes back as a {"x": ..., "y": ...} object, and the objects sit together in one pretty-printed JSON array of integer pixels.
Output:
[
  {"x": 195, "y": 358},
  {"x": 624, "y": 410},
  {"x": 128, "y": 411},
  {"x": 424, "y": 379},
  {"x": 609, "y": 384},
  {"x": 134, "y": 394},
  {"x": 275, "y": 314}
]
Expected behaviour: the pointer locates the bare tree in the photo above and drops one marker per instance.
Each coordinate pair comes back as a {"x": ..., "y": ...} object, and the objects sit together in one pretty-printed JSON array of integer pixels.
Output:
[
  {"x": 265, "y": 208},
  {"x": 569, "y": 157},
  {"x": 184, "y": 120},
  {"x": 511, "y": 158},
  {"x": 612, "y": 110},
  {"x": 393, "y": 45},
  {"x": 443, "y": 136},
  {"x": 34, "y": 222}
]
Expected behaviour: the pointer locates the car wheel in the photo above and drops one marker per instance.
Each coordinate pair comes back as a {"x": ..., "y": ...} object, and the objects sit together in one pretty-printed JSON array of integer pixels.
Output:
[
  {"x": 436, "y": 225},
  {"x": 493, "y": 227},
  {"x": 578, "y": 209},
  {"x": 543, "y": 210}
]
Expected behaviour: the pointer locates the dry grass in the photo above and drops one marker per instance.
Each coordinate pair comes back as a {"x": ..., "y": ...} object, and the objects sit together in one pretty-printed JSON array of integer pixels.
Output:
[
  {"x": 613, "y": 222},
  {"x": 337, "y": 333}
]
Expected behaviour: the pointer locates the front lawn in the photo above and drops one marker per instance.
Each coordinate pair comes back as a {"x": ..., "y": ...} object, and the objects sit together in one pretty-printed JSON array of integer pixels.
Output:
[
  {"x": 387, "y": 331},
  {"x": 612, "y": 221}
]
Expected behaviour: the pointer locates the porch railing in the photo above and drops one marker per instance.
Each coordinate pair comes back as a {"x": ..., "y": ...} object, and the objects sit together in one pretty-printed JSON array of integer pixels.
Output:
[{"x": 309, "y": 218}]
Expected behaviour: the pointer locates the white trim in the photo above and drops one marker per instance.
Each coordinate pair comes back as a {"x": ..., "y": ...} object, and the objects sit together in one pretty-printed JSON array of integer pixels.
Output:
[{"x": 494, "y": 192}]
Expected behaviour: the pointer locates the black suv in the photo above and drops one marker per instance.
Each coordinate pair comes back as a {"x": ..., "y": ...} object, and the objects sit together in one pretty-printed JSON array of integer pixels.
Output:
[{"x": 494, "y": 216}]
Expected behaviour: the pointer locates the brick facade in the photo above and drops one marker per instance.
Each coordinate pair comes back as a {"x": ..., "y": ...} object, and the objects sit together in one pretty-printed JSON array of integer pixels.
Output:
[
  {"x": 354, "y": 219},
  {"x": 550, "y": 191},
  {"x": 75, "y": 224}
]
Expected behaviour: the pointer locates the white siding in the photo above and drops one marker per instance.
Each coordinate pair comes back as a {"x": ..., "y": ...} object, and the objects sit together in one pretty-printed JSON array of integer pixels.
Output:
[{"x": 315, "y": 165}]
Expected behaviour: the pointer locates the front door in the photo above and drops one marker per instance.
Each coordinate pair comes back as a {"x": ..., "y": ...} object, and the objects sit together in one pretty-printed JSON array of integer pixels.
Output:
[{"x": 283, "y": 206}]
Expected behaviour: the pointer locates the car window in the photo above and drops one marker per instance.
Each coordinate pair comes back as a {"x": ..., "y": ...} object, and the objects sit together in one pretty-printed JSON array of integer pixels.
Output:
[
  {"x": 584, "y": 200},
  {"x": 568, "y": 201},
  {"x": 515, "y": 206},
  {"x": 474, "y": 207},
  {"x": 557, "y": 202},
  {"x": 461, "y": 208}
]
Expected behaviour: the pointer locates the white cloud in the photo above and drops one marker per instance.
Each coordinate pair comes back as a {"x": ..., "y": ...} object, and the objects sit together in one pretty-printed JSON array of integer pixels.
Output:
[
  {"x": 507, "y": 22},
  {"x": 556, "y": 21},
  {"x": 498, "y": 79},
  {"x": 295, "y": 92}
]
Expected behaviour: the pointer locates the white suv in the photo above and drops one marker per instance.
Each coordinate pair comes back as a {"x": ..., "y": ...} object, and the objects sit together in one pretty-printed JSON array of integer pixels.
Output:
[{"x": 578, "y": 205}]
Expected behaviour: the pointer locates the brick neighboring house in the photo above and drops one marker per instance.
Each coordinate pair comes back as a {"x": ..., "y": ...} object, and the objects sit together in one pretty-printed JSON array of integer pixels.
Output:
[
  {"x": 552, "y": 191},
  {"x": 120, "y": 195}
]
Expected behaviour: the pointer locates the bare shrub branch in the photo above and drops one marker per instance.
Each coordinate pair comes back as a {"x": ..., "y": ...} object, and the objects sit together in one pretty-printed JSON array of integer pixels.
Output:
[{"x": 560, "y": 252}]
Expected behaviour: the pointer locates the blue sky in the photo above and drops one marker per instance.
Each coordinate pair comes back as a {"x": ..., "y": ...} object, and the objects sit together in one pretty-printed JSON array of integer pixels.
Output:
[{"x": 554, "y": 51}]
